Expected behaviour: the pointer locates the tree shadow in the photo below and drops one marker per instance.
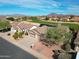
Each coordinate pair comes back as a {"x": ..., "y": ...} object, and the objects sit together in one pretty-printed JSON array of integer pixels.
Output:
[
  {"x": 73, "y": 55},
  {"x": 73, "y": 39}
]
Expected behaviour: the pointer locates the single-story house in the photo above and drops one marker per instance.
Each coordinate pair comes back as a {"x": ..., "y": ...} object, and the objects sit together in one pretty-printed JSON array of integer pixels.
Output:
[
  {"x": 75, "y": 19},
  {"x": 34, "y": 31}
]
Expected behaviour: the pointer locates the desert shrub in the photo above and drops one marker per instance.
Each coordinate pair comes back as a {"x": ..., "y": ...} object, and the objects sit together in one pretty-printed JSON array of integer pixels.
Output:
[
  {"x": 64, "y": 56},
  {"x": 16, "y": 36},
  {"x": 66, "y": 46},
  {"x": 20, "y": 34}
]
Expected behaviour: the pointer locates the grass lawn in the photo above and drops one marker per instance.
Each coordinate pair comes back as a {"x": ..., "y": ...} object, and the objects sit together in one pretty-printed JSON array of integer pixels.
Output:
[
  {"x": 70, "y": 25},
  {"x": 4, "y": 24}
]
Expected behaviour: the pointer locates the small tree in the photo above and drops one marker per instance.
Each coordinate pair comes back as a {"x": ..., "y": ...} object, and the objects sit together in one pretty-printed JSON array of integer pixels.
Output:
[
  {"x": 59, "y": 34},
  {"x": 24, "y": 18},
  {"x": 10, "y": 18},
  {"x": 20, "y": 34},
  {"x": 18, "y": 19},
  {"x": 15, "y": 35},
  {"x": 52, "y": 36}
]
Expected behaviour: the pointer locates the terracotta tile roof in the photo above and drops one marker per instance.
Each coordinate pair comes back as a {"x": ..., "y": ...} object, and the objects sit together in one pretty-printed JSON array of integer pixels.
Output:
[
  {"x": 25, "y": 26},
  {"x": 21, "y": 25},
  {"x": 39, "y": 30}
]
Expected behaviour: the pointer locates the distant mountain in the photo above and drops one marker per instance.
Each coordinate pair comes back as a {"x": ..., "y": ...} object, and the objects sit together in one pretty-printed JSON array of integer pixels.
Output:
[
  {"x": 2, "y": 17},
  {"x": 17, "y": 15},
  {"x": 14, "y": 15},
  {"x": 54, "y": 14}
]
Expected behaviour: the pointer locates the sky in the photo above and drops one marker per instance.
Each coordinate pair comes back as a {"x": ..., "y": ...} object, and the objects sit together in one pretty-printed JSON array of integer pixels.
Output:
[{"x": 39, "y": 7}]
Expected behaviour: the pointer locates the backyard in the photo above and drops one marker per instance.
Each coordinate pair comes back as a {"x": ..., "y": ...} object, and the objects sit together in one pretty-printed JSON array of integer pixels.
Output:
[{"x": 72, "y": 25}]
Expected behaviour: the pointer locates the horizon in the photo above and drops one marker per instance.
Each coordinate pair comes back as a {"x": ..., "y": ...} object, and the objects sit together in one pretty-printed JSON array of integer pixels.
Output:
[
  {"x": 39, "y": 7},
  {"x": 35, "y": 15}
]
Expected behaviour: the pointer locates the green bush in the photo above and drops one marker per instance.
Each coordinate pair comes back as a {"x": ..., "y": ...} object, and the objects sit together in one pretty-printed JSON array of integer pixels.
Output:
[
  {"x": 58, "y": 34},
  {"x": 24, "y": 18},
  {"x": 15, "y": 36},
  {"x": 72, "y": 26},
  {"x": 4, "y": 24},
  {"x": 20, "y": 34},
  {"x": 10, "y": 18}
]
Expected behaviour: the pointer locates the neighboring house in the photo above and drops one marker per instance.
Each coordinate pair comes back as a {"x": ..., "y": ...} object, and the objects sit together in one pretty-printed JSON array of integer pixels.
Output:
[
  {"x": 22, "y": 26},
  {"x": 76, "y": 42},
  {"x": 41, "y": 17},
  {"x": 75, "y": 19}
]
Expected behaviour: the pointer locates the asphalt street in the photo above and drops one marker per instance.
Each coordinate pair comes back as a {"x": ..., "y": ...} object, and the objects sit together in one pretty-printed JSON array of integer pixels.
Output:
[{"x": 10, "y": 51}]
